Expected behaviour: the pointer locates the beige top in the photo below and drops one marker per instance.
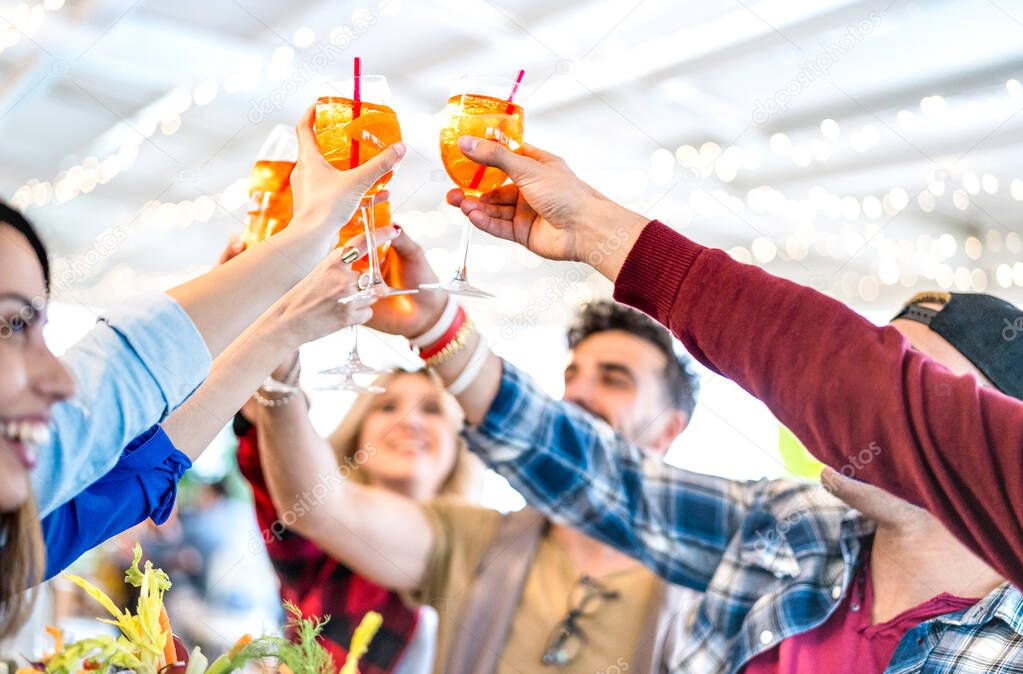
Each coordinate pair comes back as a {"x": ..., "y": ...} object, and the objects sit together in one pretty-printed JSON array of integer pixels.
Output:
[{"x": 462, "y": 535}]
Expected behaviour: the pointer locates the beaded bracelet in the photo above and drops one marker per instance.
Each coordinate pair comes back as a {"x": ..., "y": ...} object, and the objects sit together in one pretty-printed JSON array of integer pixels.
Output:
[
  {"x": 458, "y": 343},
  {"x": 428, "y": 352}
]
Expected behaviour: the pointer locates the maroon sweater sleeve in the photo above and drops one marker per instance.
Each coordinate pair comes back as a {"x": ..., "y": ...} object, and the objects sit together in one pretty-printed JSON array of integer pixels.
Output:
[{"x": 857, "y": 395}]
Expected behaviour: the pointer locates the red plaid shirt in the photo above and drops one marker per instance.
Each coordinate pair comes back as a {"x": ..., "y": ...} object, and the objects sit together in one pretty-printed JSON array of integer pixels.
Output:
[{"x": 320, "y": 585}]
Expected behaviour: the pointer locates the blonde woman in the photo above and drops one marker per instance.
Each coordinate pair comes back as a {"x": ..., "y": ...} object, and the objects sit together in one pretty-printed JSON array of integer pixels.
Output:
[{"x": 405, "y": 440}]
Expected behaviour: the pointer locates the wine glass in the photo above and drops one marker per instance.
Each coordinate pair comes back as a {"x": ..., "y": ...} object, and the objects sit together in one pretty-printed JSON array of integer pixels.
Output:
[
  {"x": 270, "y": 201},
  {"x": 353, "y": 125},
  {"x": 478, "y": 106}
]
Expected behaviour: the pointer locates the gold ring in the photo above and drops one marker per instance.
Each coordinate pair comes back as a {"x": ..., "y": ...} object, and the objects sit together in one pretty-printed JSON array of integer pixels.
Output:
[{"x": 350, "y": 255}]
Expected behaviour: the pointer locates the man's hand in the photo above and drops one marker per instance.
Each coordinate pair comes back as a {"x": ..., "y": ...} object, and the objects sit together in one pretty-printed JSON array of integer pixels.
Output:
[
  {"x": 408, "y": 315},
  {"x": 548, "y": 209},
  {"x": 326, "y": 198}
]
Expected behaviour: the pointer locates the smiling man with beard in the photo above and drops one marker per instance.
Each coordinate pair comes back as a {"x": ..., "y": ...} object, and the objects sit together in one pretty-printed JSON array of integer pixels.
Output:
[{"x": 517, "y": 592}]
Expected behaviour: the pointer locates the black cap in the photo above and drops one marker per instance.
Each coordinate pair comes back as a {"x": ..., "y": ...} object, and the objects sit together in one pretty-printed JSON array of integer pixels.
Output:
[{"x": 988, "y": 331}]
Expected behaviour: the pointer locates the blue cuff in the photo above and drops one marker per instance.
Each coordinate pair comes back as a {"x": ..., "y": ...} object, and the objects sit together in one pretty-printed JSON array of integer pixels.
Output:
[
  {"x": 143, "y": 485},
  {"x": 510, "y": 410}
]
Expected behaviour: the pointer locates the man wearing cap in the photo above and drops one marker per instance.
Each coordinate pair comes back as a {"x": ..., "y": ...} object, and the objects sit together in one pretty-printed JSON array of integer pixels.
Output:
[{"x": 943, "y": 440}]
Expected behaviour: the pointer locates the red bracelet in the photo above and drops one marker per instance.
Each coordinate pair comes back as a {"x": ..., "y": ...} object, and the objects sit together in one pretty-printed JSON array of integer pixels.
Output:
[{"x": 446, "y": 338}]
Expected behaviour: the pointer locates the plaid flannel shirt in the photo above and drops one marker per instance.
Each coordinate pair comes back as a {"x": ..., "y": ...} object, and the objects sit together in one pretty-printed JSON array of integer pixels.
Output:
[{"x": 773, "y": 557}]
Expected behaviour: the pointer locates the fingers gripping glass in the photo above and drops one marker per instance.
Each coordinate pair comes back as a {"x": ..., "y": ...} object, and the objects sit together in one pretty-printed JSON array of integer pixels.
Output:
[
  {"x": 478, "y": 106},
  {"x": 353, "y": 125},
  {"x": 567, "y": 639}
]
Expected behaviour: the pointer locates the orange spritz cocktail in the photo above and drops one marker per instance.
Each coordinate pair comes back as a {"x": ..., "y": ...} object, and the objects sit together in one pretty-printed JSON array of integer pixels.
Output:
[
  {"x": 270, "y": 200},
  {"x": 348, "y": 140},
  {"x": 483, "y": 107},
  {"x": 483, "y": 117},
  {"x": 357, "y": 225}
]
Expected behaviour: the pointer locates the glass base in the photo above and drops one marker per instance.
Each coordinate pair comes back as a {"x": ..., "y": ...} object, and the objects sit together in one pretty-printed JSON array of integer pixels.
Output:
[
  {"x": 377, "y": 292},
  {"x": 463, "y": 288},
  {"x": 350, "y": 369},
  {"x": 347, "y": 383}
]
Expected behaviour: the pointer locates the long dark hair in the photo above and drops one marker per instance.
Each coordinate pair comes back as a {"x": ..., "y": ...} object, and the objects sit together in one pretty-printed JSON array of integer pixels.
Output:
[
  {"x": 22, "y": 553},
  {"x": 12, "y": 218}
]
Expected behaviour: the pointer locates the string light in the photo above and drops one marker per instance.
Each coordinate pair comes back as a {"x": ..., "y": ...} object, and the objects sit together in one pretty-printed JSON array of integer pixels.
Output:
[
  {"x": 166, "y": 114},
  {"x": 25, "y": 21}
]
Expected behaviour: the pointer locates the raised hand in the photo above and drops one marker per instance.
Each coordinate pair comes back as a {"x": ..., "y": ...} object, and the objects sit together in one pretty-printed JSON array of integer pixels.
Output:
[
  {"x": 548, "y": 208},
  {"x": 324, "y": 196},
  {"x": 408, "y": 315},
  {"x": 311, "y": 309}
]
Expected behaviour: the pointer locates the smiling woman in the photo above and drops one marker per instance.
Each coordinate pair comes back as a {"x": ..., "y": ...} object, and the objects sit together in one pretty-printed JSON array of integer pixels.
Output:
[
  {"x": 31, "y": 381},
  {"x": 403, "y": 444}
]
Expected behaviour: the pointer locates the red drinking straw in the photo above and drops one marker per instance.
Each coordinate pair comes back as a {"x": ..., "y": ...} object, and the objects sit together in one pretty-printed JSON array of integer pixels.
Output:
[
  {"x": 478, "y": 177},
  {"x": 356, "y": 110}
]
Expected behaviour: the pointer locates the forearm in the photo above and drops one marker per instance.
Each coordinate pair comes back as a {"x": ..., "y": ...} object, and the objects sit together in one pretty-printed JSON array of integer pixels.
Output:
[
  {"x": 226, "y": 300},
  {"x": 571, "y": 466},
  {"x": 236, "y": 373},
  {"x": 847, "y": 388},
  {"x": 479, "y": 396},
  {"x": 378, "y": 534},
  {"x": 608, "y": 232}
]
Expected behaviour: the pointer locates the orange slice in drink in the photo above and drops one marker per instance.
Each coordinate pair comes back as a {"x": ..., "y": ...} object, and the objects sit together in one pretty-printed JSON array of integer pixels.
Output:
[{"x": 375, "y": 130}]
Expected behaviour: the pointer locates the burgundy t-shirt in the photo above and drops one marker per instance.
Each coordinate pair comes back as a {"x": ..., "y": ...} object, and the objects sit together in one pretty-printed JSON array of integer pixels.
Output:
[{"x": 847, "y": 636}]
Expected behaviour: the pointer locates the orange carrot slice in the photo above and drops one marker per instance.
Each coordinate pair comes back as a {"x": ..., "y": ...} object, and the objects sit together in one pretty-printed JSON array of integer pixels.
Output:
[
  {"x": 239, "y": 645},
  {"x": 170, "y": 654}
]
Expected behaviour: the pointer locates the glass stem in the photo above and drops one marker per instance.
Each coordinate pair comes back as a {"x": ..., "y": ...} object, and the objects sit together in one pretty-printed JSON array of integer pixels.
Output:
[
  {"x": 369, "y": 218},
  {"x": 353, "y": 354},
  {"x": 462, "y": 271}
]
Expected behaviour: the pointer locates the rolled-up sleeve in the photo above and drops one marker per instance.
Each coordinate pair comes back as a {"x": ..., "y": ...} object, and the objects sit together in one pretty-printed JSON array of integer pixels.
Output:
[
  {"x": 135, "y": 367},
  {"x": 142, "y": 485}
]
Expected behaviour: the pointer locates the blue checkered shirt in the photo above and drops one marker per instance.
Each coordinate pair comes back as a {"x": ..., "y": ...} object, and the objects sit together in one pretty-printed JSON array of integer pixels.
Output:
[{"x": 773, "y": 557}]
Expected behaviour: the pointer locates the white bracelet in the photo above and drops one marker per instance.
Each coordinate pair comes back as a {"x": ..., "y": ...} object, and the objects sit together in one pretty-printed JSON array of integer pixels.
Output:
[
  {"x": 472, "y": 368},
  {"x": 287, "y": 385},
  {"x": 447, "y": 317}
]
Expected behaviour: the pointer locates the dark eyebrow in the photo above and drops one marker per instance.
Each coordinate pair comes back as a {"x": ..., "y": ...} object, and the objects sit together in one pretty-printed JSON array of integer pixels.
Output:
[
  {"x": 617, "y": 367},
  {"x": 17, "y": 297}
]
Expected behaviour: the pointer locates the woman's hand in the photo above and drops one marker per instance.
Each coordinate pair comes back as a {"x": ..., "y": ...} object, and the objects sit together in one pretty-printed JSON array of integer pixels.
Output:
[
  {"x": 312, "y": 309},
  {"x": 326, "y": 198}
]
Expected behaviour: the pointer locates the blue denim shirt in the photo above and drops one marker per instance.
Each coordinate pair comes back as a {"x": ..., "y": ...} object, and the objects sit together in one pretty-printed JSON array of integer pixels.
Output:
[{"x": 140, "y": 362}]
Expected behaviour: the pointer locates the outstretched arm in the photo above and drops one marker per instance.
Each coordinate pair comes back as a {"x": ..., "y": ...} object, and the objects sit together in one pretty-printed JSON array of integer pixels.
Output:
[
  {"x": 377, "y": 533},
  {"x": 309, "y": 311},
  {"x": 848, "y": 389},
  {"x": 226, "y": 300},
  {"x": 142, "y": 360}
]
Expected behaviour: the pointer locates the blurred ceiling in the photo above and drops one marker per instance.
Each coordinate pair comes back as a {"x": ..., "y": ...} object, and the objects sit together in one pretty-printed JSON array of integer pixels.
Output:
[{"x": 867, "y": 148}]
